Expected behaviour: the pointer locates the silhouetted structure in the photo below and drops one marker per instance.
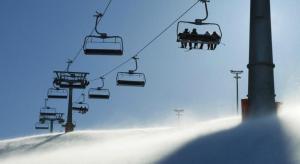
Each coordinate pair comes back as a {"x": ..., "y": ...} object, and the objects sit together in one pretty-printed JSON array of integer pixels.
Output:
[
  {"x": 70, "y": 81},
  {"x": 237, "y": 77},
  {"x": 47, "y": 117},
  {"x": 102, "y": 43},
  {"x": 131, "y": 78},
  {"x": 179, "y": 113},
  {"x": 193, "y": 38},
  {"x": 261, "y": 92},
  {"x": 99, "y": 92}
]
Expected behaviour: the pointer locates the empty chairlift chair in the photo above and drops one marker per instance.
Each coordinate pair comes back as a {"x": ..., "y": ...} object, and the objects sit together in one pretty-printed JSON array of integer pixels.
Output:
[
  {"x": 57, "y": 93},
  {"x": 41, "y": 126},
  {"x": 131, "y": 78},
  {"x": 101, "y": 43},
  {"x": 99, "y": 93}
]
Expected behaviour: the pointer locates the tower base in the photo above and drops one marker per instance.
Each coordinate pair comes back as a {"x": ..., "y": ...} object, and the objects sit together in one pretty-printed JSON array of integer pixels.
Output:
[{"x": 246, "y": 110}]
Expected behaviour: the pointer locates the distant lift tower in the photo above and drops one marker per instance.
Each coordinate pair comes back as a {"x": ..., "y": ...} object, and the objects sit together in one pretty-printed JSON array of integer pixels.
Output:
[
  {"x": 261, "y": 92},
  {"x": 70, "y": 80},
  {"x": 179, "y": 113},
  {"x": 237, "y": 77}
]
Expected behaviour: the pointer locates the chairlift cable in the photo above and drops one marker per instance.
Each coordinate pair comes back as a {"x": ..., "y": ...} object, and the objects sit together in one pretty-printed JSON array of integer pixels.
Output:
[
  {"x": 149, "y": 43},
  {"x": 92, "y": 31}
]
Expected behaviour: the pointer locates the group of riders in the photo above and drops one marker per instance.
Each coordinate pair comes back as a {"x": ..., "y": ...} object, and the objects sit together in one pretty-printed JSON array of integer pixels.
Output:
[{"x": 196, "y": 41}]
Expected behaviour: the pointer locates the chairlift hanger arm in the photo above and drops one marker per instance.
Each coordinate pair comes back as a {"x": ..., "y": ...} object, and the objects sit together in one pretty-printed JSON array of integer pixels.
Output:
[
  {"x": 136, "y": 64},
  {"x": 99, "y": 17},
  {"x": 102, "y": 82},
  {"x": 98, "y": 20},
  {"x": 206, "y": 9}
]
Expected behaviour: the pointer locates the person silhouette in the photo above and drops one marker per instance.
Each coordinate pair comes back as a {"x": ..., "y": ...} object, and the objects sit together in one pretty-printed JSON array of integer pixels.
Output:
[
  {"x": 183, "y": 37},
  {"x": 206, "y": 38},
  {"x": 194, "y": 38},
  {"x": 216, "y": 39}
]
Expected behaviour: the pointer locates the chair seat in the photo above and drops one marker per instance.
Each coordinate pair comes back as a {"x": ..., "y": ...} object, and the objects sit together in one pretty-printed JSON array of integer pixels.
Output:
[
  {"x": 103, "y": 52},
  {"x": 131, "y": 83}
]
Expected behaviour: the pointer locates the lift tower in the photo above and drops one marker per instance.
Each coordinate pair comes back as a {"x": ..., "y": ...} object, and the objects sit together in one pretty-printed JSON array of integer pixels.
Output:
[
  {"x": 47, "y": 118},
  {"x": 237, "y": 76},
  {"x": 261, "y": 92},
  {"x": 70, "y": 80}
]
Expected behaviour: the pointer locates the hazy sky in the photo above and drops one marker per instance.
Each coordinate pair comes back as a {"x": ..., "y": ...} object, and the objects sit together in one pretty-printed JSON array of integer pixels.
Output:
[{"x": 37, "y": 37}]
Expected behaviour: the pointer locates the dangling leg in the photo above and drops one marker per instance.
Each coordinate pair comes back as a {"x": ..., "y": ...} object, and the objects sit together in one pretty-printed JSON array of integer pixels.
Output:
[
  {"x": 215, "y": 46},
  {"x": 195, "y": 45},
  {"x": 185, "y": 44},
  {"x": 211, "y": 46},
  {"x": 201, "y": 46},
  {"x": 208, "y": 46},
  {"x": 182, "y": 44}
]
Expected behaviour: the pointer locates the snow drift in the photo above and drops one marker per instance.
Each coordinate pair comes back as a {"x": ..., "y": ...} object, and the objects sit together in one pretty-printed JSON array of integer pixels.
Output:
[{"x": 271, "y": 140}]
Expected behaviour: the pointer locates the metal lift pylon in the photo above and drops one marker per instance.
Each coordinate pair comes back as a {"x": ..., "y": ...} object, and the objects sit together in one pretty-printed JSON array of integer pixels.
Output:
[{"x": 70, "y": 81}]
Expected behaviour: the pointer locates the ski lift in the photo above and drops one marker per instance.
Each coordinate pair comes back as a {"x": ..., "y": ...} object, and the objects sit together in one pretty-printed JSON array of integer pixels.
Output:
[
  {"x": 57, "y": 93},
  {"x": 131, "y": 78},
  {"x": 102, "y": 43},
  {"x": 212, "y": 38},
  {"x": 99, "y": 93},
  {"x": 41, "y": 126},
  {"x": 81, "y": 107}
]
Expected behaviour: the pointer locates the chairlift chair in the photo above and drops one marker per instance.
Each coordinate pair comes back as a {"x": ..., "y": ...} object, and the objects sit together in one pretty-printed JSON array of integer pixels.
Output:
[
  {"x": 99, "y": 92},
  {"x": 102, "y": 43},
  {"x": 57, "y": 93},
  {"x": 131, "y": 78},
  {"x": 81, "y": 107},
  {"x": 47, "y": 112},
  {"x": 40, "y": 126},
  {"x": 201, "y": 38}
]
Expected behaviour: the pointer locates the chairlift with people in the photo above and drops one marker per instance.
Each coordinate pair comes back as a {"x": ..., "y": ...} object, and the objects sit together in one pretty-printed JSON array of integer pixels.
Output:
[
  {"x": 81, "y": 107},
  {"x": 211, "y": 33}
]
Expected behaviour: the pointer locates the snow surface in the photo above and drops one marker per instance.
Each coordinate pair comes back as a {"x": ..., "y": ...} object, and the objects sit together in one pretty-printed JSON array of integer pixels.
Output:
[{"x": 273, "y": 140}]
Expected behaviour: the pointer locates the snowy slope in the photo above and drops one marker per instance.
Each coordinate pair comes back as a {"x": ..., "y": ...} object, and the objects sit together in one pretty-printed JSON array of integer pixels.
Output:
[{"x": 272, "y": 140}]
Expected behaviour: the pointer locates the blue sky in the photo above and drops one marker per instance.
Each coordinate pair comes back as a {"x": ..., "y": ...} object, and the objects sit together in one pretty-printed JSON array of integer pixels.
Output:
[{"x": 37, "y": 37}]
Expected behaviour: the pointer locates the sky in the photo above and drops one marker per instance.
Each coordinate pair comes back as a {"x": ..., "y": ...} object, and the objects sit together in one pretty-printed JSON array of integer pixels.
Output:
[{"x": 37, "y": 37}]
